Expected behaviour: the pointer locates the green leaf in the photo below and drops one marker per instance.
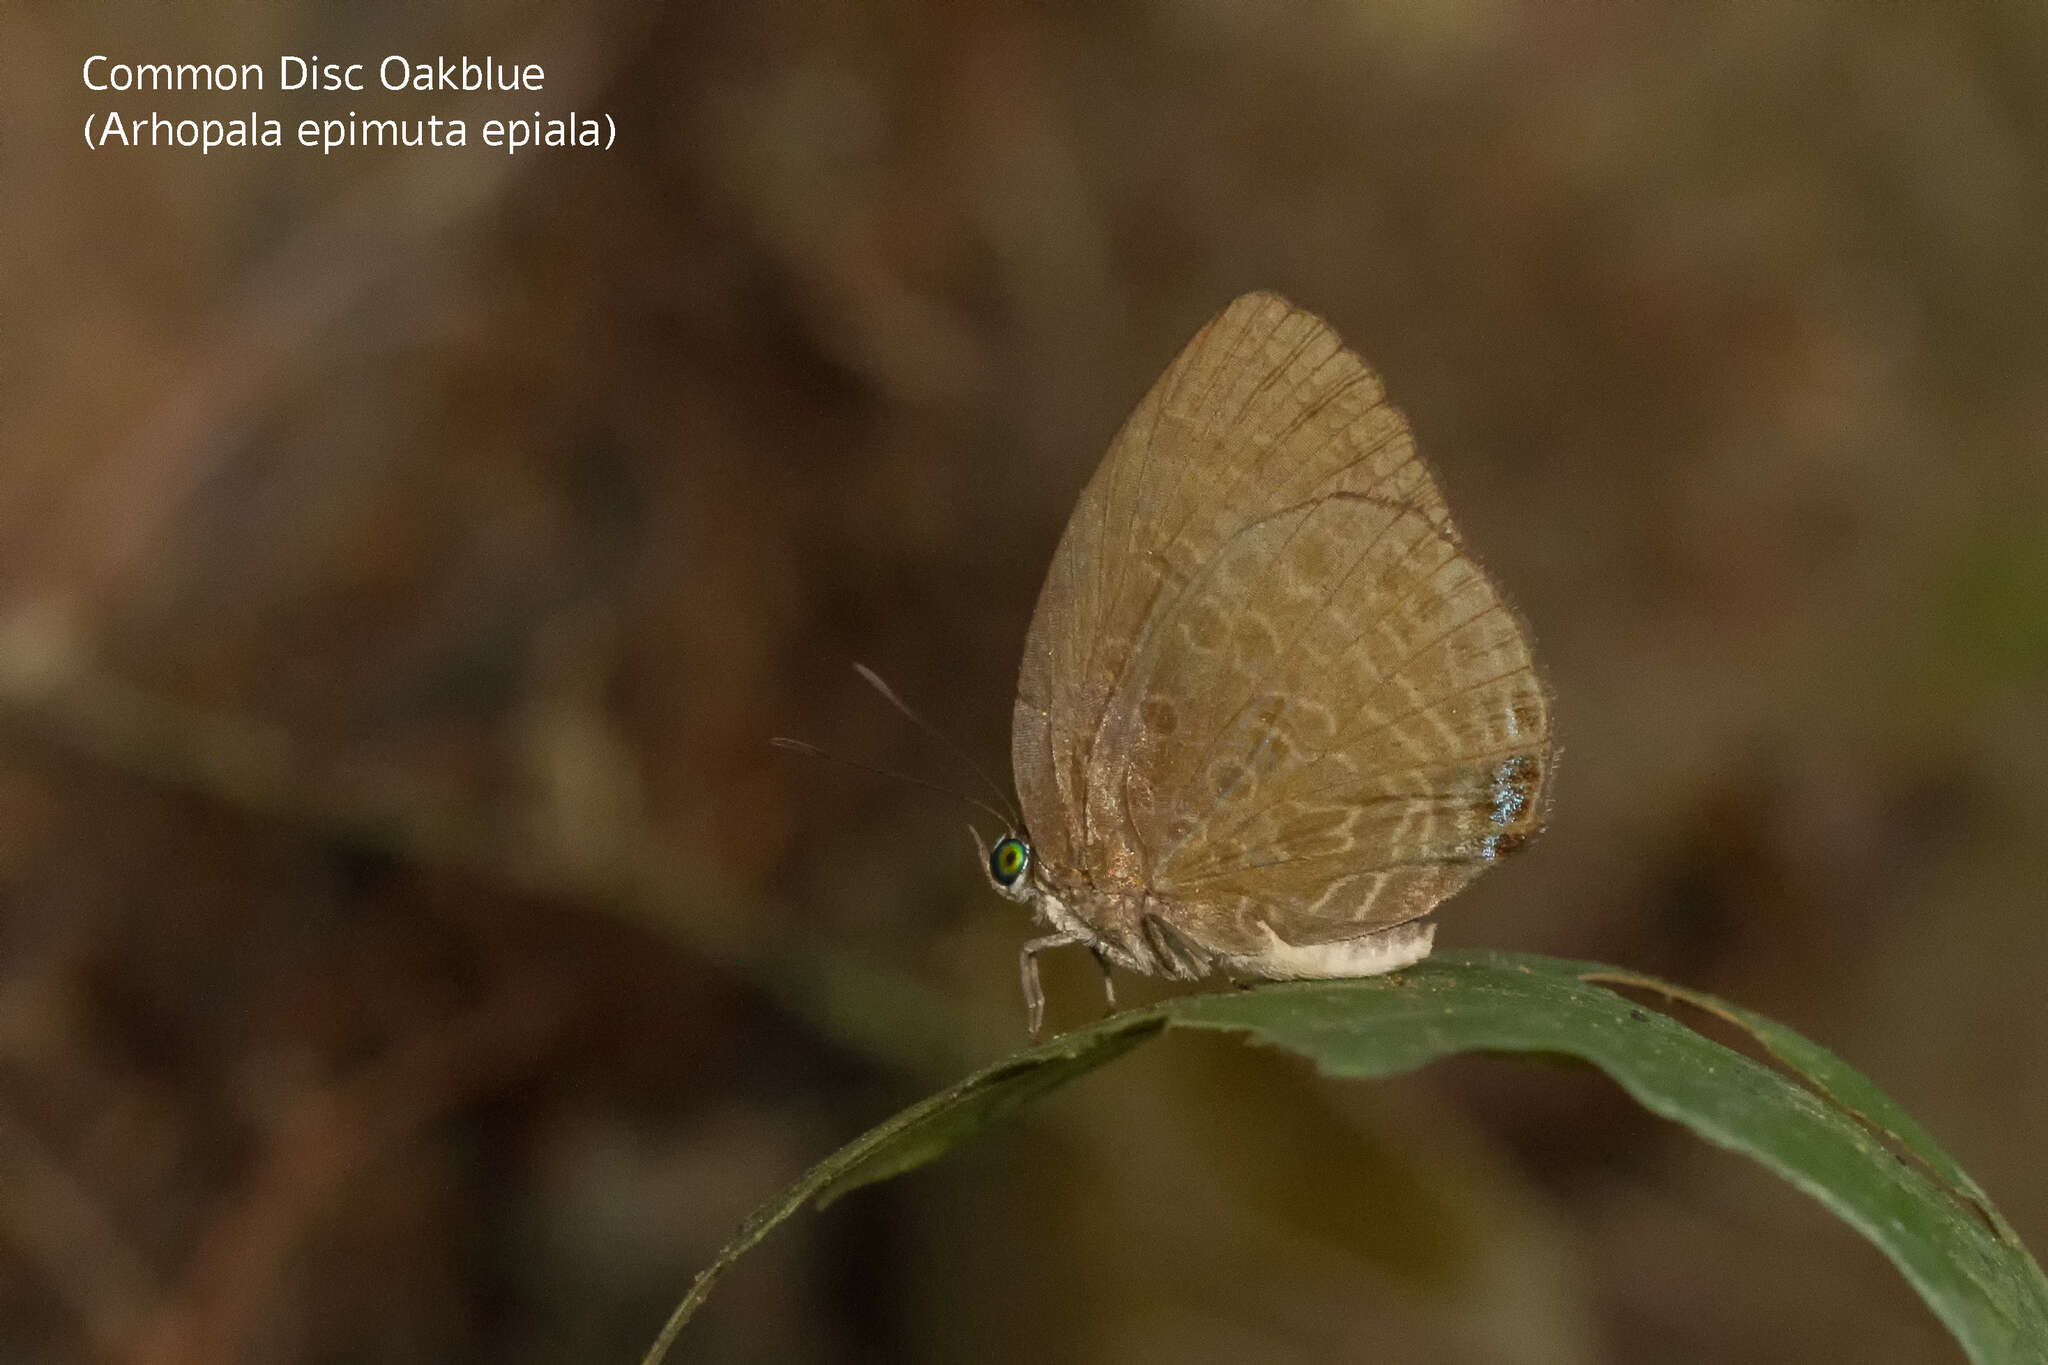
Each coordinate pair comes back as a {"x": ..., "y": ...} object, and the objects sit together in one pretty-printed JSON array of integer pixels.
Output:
[
  {"x": 1841, "y": 1084},
  {"x": 924, "y": 1132},
  {"x": 1813, "y": 1119}
]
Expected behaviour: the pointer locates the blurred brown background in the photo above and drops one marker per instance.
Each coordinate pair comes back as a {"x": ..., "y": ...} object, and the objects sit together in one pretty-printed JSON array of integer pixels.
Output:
[{"x": 410, "y": 949}]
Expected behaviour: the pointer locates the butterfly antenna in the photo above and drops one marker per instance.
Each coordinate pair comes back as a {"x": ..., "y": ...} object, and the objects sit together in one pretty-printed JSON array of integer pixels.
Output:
[
  {"x": 874, "y": 680},
  {"x": 808, "y": 750}
]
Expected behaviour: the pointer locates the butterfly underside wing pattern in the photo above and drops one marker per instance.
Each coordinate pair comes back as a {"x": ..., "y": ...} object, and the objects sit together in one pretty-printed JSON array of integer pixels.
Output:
[{"x": 1270, "y": 710}]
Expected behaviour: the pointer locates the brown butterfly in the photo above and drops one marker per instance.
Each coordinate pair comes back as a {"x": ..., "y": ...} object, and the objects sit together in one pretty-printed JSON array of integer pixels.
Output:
[{"x": 1270, "y": 711}]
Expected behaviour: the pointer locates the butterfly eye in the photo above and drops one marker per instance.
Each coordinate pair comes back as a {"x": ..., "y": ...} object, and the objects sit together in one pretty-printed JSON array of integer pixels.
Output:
[{"x": 1006, "y": 861}]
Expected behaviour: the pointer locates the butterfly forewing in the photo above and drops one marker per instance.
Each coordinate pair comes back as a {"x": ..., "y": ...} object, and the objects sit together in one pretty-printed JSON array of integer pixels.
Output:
[{"x": 1264, "y": 681}]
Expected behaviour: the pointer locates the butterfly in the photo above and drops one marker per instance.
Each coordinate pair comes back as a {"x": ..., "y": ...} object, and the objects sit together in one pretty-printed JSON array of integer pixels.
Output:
[{"x": 1270, "y": 711}]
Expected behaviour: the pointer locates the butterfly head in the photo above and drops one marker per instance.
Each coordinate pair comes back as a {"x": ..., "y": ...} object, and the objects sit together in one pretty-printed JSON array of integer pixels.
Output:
[
  {"x": 1016, "y": 873},
  {"x": 1009, "y": 863}
]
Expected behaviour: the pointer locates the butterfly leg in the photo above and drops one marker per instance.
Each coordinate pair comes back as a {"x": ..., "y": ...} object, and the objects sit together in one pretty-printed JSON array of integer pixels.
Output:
[
  {"x": 1176, "y": 957},
  {"x": 1108, "y": 982},
  {"x": 1027, "y": 961}
]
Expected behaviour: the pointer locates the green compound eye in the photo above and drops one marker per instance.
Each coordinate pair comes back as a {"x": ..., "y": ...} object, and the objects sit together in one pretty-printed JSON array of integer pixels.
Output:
[{"x": 1007, "y": 859}]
